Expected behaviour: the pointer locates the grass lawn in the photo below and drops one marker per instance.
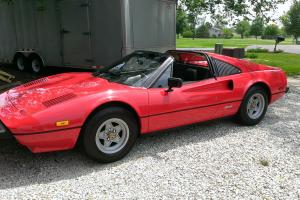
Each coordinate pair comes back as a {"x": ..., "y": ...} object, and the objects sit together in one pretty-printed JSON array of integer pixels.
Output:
[
  {"x": 234, "y": 42},
  {"x": 290, "y": 63}
]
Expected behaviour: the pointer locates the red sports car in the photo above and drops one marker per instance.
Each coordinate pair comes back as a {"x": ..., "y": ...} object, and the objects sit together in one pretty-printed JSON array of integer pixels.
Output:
[{"x": 142, "y": 93}]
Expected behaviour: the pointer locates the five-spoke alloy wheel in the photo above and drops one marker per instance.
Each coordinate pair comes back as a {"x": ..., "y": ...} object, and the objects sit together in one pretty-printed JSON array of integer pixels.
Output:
[
  {"x": 110, "y": 134},
  {"x": 256, "y": 106},
  {"x": 253, "y": 107}
]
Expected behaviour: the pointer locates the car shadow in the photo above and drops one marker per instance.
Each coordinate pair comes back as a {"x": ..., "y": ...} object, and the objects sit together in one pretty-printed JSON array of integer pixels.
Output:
[{"x": 19, "y": 167}]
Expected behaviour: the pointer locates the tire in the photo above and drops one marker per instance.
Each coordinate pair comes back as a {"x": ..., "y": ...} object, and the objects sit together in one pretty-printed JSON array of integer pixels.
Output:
[
  {"x": 254, "y": 107},
  {"x": 21, "y": 63},
  {"x": 36, "y": 64},
  {"x": 97, "y": 134}
]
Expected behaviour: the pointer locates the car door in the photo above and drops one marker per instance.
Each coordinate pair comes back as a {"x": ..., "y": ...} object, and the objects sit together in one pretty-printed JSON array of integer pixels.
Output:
[{"x": 193, "y": 102}]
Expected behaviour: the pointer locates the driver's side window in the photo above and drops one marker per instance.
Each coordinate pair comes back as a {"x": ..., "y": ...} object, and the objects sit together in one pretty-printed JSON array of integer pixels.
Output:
[{"x": 162, "y": 81}]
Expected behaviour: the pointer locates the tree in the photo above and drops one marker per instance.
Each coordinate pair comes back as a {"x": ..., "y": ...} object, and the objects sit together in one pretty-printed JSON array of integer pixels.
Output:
[
  {"x": 181, "y": 21},
  {"x": 291, "y": 20},
  {"x": 219, "y": 21},
  {"x": 271, "y": 31},
  {"x": 257, "y": 27},
  {"x": 258, "y": 9},
  {"x": 262, "y": 8},
  {"x": 203, "y": 31},
  {"x": 242, "y": 28},
  {"x": 194, "y": 8},
  {"x": 227, "y": 33}
]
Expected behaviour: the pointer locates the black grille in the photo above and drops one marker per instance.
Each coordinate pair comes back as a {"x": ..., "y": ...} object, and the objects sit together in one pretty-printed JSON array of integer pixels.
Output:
[
  {"x": 59, "y": 100},
  {"x": 42, "y": 80}
]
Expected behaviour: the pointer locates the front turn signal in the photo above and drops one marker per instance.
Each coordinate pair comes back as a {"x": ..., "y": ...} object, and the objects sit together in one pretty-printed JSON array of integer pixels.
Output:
[{"x": 62, "y": 123}]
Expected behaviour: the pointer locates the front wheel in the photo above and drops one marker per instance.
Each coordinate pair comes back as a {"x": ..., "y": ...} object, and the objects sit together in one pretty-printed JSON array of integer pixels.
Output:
[
  {"x": 110, "y": 134},
  {"x": 253, "y": 107}
]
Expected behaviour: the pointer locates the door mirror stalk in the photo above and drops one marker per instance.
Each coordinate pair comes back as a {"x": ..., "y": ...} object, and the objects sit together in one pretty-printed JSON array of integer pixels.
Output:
[{"x": 174, "y": 83}]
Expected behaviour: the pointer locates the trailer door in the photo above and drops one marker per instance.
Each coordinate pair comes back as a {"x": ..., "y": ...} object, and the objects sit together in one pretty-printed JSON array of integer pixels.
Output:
[{"x": 75, "y": 31}]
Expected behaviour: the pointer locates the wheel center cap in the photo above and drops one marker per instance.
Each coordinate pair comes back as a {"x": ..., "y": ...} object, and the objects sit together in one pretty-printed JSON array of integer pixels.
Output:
[{"x": 111, "y": 136}]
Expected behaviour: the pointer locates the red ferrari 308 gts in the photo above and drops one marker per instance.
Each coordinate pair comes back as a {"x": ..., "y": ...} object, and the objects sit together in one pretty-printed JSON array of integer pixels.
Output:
[{"x": 142, "y": 93}]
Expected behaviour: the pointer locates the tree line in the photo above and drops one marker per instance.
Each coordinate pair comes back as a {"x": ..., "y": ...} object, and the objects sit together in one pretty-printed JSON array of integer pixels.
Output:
[{"x": 191, "y": 17}]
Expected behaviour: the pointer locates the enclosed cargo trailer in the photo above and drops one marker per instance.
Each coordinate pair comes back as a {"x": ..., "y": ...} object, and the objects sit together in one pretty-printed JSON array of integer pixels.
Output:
[{"x": 83, "y": 33}]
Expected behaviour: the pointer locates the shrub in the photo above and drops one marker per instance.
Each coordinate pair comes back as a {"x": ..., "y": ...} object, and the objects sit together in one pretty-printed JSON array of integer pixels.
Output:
[
  {"x": 258, "y": 50},
  {"x": 251, "y": 55},
  {"x": 187, "y": 34},
  {"x": 279, "y": 51},
  {"x": 268, "y": 37},
  {"x": 202, "y": 32}
]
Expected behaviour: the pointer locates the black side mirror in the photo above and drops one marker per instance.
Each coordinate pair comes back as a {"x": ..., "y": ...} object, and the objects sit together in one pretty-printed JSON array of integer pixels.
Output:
[{"x": 174, "y": 83}]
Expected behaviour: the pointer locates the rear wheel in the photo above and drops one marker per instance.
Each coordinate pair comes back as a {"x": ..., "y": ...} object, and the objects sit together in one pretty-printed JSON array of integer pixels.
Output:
[
  {"x": 253, "y": 107},
  {"x": 110, "y": 134}
]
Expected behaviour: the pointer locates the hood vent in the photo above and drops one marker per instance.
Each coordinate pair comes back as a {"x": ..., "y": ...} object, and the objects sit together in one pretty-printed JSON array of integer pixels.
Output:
[
  {"x": 42, "y": 80},
  {"x": 58, "y": 100}
]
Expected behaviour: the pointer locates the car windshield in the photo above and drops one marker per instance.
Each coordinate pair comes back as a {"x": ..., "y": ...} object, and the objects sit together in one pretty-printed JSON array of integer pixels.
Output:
[{"x": 134, "y": 69}]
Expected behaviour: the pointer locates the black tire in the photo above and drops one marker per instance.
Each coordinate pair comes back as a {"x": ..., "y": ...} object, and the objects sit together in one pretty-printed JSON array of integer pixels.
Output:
[
  {"x": 36, "y": 64},
  {"x": 21, "y": 63},
  {"x": 92, "y": 126},
  {"x": 243, "y": 117}
]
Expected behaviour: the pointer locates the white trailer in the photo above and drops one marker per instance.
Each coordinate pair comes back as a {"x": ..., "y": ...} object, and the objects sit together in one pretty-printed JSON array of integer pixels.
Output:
[{"x": 83, "y": 33}]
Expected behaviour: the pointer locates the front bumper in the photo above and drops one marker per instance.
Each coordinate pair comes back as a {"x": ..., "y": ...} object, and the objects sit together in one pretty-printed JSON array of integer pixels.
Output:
[
  {"x": 4, "y": 132},
  {"x": 50, "y": 141}
]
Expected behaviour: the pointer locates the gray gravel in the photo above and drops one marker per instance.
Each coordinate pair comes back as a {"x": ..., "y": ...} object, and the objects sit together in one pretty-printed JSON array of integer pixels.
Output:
[{"x": 206, "y": 161}]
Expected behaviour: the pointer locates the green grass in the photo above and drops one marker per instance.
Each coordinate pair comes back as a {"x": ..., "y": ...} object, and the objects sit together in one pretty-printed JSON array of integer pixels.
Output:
[
  {"x": 234, "y": 42},
  {"x": 290, "y": 63},
  {"x": 264, "y": 163}
]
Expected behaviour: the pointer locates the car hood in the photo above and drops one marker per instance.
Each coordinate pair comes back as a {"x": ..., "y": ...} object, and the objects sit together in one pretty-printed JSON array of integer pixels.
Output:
[{"x": 50, "y": 91}]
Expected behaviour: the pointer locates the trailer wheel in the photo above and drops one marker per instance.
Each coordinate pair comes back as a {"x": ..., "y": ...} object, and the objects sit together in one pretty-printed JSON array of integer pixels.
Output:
[
  {"x": 21, "y": 62},
  {"x": 37, "y": 65}
]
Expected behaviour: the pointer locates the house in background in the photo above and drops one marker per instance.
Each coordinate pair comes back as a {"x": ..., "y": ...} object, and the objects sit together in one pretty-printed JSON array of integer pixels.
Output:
[{"x": 215, "y": 32}]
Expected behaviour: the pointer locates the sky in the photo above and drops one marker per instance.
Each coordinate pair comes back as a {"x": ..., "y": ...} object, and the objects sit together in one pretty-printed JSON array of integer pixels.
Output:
[{"x": 282, "y": 9}]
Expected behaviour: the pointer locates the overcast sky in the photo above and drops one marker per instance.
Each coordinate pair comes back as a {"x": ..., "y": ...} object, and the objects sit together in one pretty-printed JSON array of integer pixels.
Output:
[{"x": 283, "y": 8}]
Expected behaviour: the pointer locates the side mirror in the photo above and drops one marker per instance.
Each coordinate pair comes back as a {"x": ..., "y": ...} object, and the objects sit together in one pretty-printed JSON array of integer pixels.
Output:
[{"x": 174, "y": 83}]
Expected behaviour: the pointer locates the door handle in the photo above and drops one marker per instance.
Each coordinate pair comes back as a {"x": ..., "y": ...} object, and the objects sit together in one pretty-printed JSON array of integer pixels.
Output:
[{"x": 64, "y": 31}]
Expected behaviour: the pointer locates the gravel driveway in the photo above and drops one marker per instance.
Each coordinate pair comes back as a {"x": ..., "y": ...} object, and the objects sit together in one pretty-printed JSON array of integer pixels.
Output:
[{"x": 213, "y": 160}]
